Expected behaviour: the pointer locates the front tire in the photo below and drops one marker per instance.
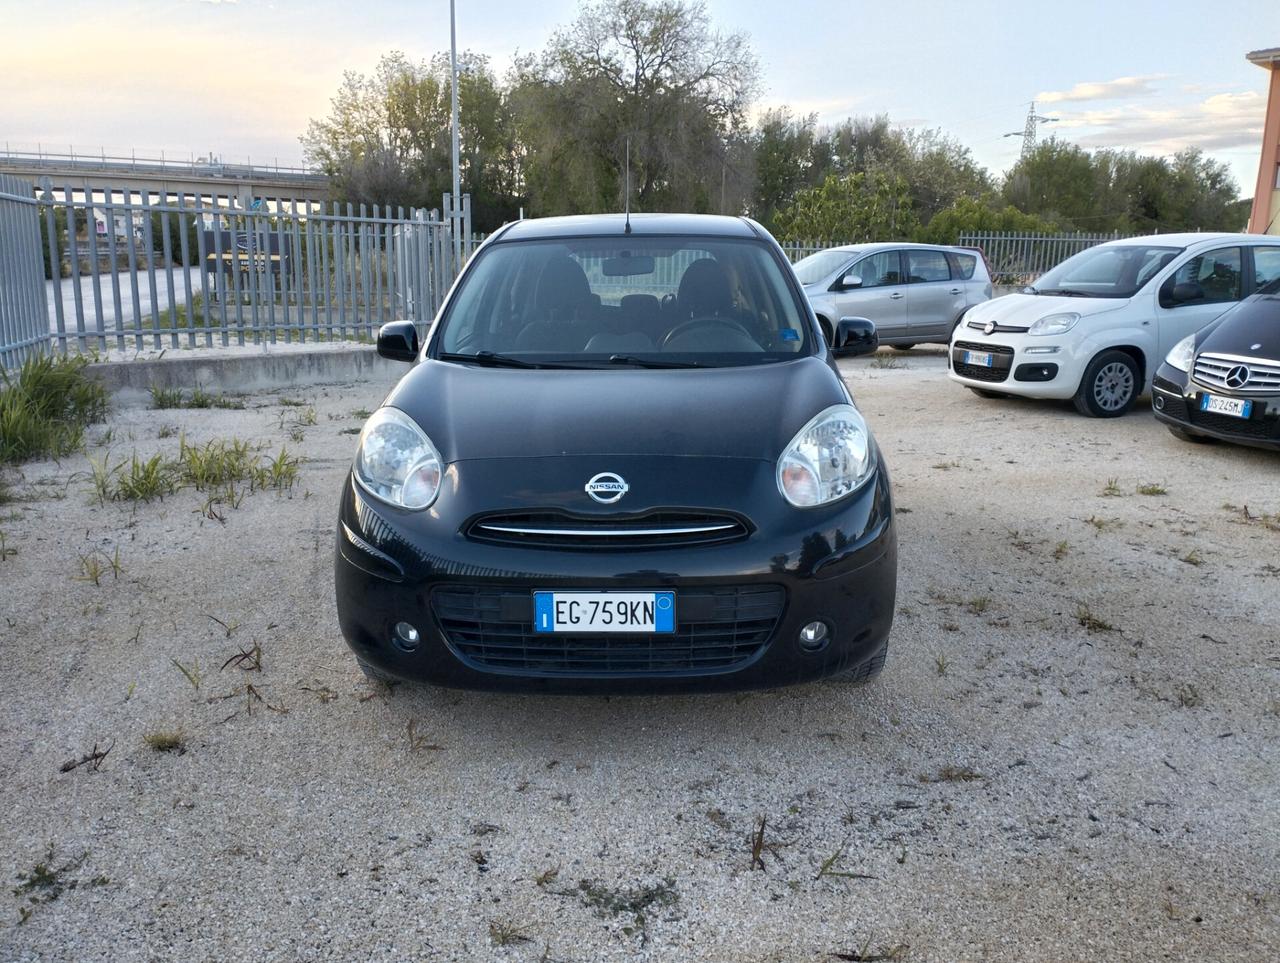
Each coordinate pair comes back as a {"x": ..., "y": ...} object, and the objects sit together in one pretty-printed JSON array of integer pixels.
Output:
[
  {"x": 1110, "y": 386},
  {"x": 827, "y": 333},
  {"x": 903, "y": 347}
]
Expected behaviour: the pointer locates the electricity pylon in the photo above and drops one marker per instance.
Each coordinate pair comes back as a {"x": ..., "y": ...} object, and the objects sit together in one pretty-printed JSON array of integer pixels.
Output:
[{"x": 1028, "y": 132}]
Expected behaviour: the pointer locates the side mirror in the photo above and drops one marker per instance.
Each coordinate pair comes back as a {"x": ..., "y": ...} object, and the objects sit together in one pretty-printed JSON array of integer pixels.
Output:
[
  {"x": 1185, "y": 292},
  {"x": 850, "y": 281},
  {"x": 398, "y": 341},
  {"x": 855, "y": 336}
]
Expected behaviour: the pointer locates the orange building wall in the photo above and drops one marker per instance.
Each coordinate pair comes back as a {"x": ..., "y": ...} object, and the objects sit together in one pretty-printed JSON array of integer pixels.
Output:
[{"x": 1265, "y": 216}]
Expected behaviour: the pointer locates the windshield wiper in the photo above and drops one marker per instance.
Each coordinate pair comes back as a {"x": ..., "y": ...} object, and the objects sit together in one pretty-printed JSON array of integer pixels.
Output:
[
  {"x": 1063, "y": 293},
  {"x": 650, "y": 363},
  {"x": 489, "y": 358}
]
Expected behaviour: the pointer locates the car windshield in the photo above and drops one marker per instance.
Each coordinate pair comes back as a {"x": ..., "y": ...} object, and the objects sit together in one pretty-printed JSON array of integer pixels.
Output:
[
  {"x": 1108, "y": 271},
  {"x": 815, "y": 267},
  {"x": 624, "y": 301}
]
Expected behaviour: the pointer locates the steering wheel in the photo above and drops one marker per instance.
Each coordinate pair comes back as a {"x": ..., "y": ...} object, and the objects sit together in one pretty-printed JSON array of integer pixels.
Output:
[{"x": 685, "y": 326}]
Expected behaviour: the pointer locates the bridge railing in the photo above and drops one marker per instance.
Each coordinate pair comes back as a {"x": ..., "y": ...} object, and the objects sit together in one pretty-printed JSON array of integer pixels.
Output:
[{"x": 123, "y": 271}]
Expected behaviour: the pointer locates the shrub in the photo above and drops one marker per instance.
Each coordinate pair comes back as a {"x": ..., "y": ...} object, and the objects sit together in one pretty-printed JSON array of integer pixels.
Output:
[{"x": 45, "y": 407}]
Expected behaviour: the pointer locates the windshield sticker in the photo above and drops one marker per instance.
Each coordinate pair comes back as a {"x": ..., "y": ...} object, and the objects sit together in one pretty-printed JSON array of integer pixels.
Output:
[{"x": 790, "y": 334}]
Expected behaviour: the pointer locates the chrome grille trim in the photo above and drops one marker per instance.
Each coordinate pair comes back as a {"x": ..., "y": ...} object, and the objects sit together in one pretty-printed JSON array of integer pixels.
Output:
[
  {"x": 607, "y": 532},
  {"x": 1211, "y": 368}
]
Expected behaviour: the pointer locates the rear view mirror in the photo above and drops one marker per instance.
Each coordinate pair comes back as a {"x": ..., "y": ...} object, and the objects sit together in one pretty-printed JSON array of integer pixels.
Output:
[
  {"x": 850, "y": 280},
  {"x": 627, "y": 266},
  {"x": 1185, "y": 292},
  {"x": 855, "y": 336},
  {"x": 398, "y": 341}
]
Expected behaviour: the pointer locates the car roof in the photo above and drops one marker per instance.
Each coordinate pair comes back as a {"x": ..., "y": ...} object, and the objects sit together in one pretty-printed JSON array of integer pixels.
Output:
[
  {"x": 895, "y": 246},
  {"x": 1192, "y": 239},
  {"x": 614, "y": 225}
]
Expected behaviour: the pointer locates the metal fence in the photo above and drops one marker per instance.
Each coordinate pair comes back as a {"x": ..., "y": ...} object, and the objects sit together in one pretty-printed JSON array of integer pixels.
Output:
[
  {"x": 1020, "y": 258},
  {"x": 118, "y": 269}
]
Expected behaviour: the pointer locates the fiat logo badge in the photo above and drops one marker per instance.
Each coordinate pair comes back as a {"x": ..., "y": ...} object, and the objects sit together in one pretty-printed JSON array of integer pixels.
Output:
[
  {"x": 989, "y": 327},
  {"x": 606, "y": 487}
]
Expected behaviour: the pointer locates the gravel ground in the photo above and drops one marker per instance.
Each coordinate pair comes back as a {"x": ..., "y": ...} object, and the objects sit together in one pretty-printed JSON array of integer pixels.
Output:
[{"x": 1071, "y": 755}]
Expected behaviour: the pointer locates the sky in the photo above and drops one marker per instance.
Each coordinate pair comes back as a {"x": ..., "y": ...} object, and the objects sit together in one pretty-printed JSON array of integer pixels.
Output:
[{"x": 241, "y": 78}]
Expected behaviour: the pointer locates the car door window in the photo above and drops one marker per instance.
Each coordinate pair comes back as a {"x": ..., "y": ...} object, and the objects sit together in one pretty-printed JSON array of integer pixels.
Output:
[
  {"x": 1266, "y": 266},
  {"x": 1217, "y": 273},
  {"x": 879, "y": 270},
  {"x": 927, "y": 266}
]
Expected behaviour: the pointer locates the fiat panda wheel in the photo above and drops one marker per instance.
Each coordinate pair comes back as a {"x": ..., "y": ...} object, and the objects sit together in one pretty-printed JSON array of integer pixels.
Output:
[{"x": 1109, "y": 387}]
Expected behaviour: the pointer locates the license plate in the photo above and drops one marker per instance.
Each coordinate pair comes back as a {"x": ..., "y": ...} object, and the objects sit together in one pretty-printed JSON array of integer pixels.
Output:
[
  {"x": 1236, "y": 407},
  {"x": 604, "y": 612},
  {"x": 982, "y": 360}
]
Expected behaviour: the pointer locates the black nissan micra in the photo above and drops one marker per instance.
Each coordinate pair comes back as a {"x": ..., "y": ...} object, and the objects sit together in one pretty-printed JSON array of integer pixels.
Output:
[{"x": 623, "y": 460}]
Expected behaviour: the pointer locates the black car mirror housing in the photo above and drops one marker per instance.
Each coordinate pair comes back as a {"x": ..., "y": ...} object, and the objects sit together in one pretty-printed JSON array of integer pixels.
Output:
[
  {"x": 398, "y": 341},
  {"x": 855, "y": 336}
]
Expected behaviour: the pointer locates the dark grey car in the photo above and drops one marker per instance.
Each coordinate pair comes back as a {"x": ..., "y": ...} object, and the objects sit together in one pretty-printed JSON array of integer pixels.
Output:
[{"x": 915, "y": 293}]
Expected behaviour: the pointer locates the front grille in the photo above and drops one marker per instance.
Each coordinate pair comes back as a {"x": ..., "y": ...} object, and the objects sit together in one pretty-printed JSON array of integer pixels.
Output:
[
  {"x": 1260, "y": 428},
  {"x": 1263, "y": 375},
  {"x": 999, "y": 328},
  {"x": 490, "y": 628},
  {"x": 651, "y": 530},
  {"x": 1003, "y": 360}
]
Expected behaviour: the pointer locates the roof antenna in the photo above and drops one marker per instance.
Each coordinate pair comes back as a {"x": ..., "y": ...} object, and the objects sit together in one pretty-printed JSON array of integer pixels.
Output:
[{"x": 626, "y": 204}]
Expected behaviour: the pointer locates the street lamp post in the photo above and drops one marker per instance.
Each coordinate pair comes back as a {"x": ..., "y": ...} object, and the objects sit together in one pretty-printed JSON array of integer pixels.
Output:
[{"x": 453, "y": 57}]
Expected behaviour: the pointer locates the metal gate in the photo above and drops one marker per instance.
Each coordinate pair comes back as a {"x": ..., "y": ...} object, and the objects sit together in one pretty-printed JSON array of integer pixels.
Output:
[
  {"x": 24, "y": 328},
  {"x": 124, "y": 270}
]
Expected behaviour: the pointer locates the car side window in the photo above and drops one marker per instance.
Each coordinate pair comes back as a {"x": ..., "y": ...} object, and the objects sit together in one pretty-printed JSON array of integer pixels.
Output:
[
  {"x": 1216, "y": 273},
  {"x": 963, "y": 265},
  {"x": 927, "y": 266},
  {"x": 1266, "y": 266},
  {"x": 879, "y": 269}
]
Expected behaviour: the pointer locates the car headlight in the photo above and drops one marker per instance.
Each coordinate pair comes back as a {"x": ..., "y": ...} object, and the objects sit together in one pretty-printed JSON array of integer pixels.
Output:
[
  {"x": 1180, "y": 354},
  {"x": 828, "y": 458},
  {"x": 1055, "y": 323},
  {"x": 396, "y": 461}
]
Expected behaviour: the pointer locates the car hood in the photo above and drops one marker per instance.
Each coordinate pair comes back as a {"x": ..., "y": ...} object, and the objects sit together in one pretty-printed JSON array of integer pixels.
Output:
[
  {"x": 473, "y": 412},
  {"x": 1256, "y": 322},
  {"x": 1023, "y": 310}
]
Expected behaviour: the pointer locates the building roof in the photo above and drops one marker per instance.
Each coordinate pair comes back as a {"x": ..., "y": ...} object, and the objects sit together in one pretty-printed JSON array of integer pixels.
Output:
[
  {"x": 603, "y": 225},
  {"x": 1264, "y": 58}
]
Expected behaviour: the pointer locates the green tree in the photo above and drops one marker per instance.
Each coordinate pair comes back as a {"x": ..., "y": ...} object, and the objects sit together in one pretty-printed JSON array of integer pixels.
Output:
[
  {"x": 850, "y": 208},
  {"x": 653, "y": 73},
  {"x": 783, "y": 156},
  {"x": 969, "y": 215}
]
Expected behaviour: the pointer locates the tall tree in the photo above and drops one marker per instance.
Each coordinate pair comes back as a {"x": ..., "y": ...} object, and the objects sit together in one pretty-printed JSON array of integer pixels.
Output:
[{"x": 651, "y": 72}]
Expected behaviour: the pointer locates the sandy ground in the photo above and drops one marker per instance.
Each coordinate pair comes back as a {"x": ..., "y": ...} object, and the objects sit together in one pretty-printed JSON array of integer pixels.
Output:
[{"x": 1016, "y": 786}]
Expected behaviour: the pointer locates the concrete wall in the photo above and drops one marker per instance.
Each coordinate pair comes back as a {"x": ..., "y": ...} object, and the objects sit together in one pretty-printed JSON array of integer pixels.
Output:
[{"x": 131, "y": 381}]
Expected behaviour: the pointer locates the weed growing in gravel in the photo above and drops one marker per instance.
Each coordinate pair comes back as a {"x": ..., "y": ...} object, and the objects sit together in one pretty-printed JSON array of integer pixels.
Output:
[
  {"x": 349, "y": 431},
  {"x": 1151, "y": 488},
  {"x": 547, "y": 876},
  {"x": 952, "y": 774},
  {"x": 162, "y": 397},
  {"x": 1090, "y": 622},
  {"x": 6, "y": 553},
  {"x": 886, "y": 361},
  {"x": 865, "y": 954},
  {"x": 1193, "y": 557},
  {"x": 979, "y": 604},
  {"x": 292, "y": 403},
  {"x": 6, "y": 495},
  {"x": 637, "y": 901},
  {"x": 1101, "y": 525},
  {"x": 142, "y": 481},
  {"x": 95, "y": 564},
  {"x": 1189, "y": 696},
  {"x": 45, "y": 407},
  {"x": 45, "y": 881},
  {"x": 1269, "y": 522},
  {"x": 942, "y": 663},
  {"x": 757, "y": 843},
  {"x": 828, "y": 868},
  {"x": 1060, "y": 550},
  {"x": 166, "y": 740},
  {"x": 1112, "y": 489},
  {"x": 362, "y": 413},
  {"x": 946, "y": 465},
  {"x": 191, "y": 673},
  {"x": 950, "y": 627},
  {"x": 506, "y": 933}
]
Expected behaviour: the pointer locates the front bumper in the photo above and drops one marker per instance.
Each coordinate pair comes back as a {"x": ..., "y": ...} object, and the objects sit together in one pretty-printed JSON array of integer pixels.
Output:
[
  {"x": 838, "y": 564},
  {"x": 1175, "y": 400},
  {"x": 1020, "y": 365}
]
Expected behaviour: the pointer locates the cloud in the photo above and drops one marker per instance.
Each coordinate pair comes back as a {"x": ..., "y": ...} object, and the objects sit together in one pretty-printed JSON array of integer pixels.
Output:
[
  {"x": 1220, "y": 122},
  {"x": 1120, "y": 88}
]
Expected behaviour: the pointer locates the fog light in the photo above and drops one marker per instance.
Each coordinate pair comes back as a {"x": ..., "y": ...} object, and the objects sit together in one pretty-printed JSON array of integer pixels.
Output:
[
  {"x": 1159, "y": 403},
  {"x": 406, "y": 637},
  {"x": 814, "y": 636}
]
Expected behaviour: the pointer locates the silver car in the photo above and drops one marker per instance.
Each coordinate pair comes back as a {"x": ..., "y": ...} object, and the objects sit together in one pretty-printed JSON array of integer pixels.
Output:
[{"x": 915, "y": 293}]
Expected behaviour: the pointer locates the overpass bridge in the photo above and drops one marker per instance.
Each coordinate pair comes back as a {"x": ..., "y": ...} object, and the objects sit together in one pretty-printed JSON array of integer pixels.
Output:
[{"x": 82, "y": 176}]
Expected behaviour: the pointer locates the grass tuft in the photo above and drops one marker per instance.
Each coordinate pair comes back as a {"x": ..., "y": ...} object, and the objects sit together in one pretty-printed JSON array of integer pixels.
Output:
[
  {"x": 166, "y": 740},
  {"x": 1151, "y": 488},
  {"x": 45, "y": 406}
]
